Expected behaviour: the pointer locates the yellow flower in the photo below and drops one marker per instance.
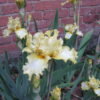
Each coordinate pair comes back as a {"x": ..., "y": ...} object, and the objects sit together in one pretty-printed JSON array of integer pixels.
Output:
[
  {"x": 73, "y": 55},
  {"x": 49, "y": 45},
  {"x": 14, "y": 24},
  {"x": 97, "y": 91},
  {"x": 67, "y": 54},
  {"x": 68, "y": 35},
  {"x": 41, "y": 48},
  {"x": 29, "y": 46},
  {"x": 94, "y": 83},
  {"x": 6, "y": 33},
  {"x": 17, "y": 23},
  {"x": 85, "y": 86},
  {"x": 79, "y": 33},
  {"x": 55, "y": 94},
  {"x": 36, "y": 65},
  {"x": 71, "y": 29},
  {"x": 21, "y": 33}
]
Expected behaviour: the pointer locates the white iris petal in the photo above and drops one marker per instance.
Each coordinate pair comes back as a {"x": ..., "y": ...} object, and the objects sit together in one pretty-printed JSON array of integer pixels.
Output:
[
  {"x": 21, "y": 33},
  {"x": 97, "y": 91},
  {"x": 35, "y": 66}
]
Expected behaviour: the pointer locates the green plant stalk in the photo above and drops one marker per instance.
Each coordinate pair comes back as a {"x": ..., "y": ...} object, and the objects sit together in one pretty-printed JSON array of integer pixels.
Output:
[
  {"x": 75, "y": 13},
  {"x": 22, "y": 14},
  {"x": 89, "y": 69},
  {"x": 97, "y": 51},
  {"x": 49, "y": 80},
  {"x": 37, "y": 95},
  {"x": 76, "y": 18},
  {"x": 35, "y": 83}
]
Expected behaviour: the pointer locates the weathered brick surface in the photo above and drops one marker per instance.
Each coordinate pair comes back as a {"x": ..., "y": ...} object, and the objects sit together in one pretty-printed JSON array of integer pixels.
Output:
[{"x": 44, "y": 11}]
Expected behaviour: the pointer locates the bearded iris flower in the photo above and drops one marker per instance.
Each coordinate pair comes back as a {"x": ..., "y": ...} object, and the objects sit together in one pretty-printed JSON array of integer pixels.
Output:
[
  {"x": 85, "y": 86},
  {"x": 43, "y": 47},
  {"x": 93, "y": 84},
  {"x": 14, "y": 25},
  {"x": 71, "y": 29}
]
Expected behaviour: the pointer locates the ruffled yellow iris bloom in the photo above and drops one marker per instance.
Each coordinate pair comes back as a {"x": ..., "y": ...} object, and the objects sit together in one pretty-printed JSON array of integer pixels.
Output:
[
  {"x": 93, "y": 84},
  {"x": 71, "y": 29},
  {"x": 45, "y": 46},
  {"x": 14, "y": 25},
  {"x": 56, "y": 94}
]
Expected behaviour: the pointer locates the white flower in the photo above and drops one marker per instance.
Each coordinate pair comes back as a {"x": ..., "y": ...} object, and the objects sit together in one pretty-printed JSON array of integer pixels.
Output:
[
  {"x": 85, "y": 86},
  {"x": 71, "y": 29},
  {"x": 67, "y": 54},
  {"x": 29, "y": 46},
  {"x": 36, "y": 65},
  {"x": 14, "y": 24},
  {"x": 94, "y": 83},
  {"x": 68, "y": 35},
  {"x": 79, "y": 33},
  {"x": 49, "y": 45},
  {"x": 21, "y": 33},
  {"x": 97, "y": 91},
  {"x": 6, "y": 33}
]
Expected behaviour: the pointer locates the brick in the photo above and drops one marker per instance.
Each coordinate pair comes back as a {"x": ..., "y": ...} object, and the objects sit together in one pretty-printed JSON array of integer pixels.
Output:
[
  {"x": 8, "y": 48},
  {"x": 63, "y": 13},
  {"x": 83, "y": 27},
  {"x": 4, "y": 41},
  {"x": 61, "y": 30},
  {"x": 9, "y": 9},
  {"x": 98, "y": 10},
  {"x": 29, "y": 7},
  {"x": 91, "y": 19},
  {"x": 44, "y": 24},
  {"x": 84, "y": 11},
  {"x": 48, "y": 15},
  {"x": 37, "y": 15},
  {"x": 1, "y": 30},
  {"x": 89, "y": 3},
  {"x": 68, "y": 5},
  {"x": 11, "y": 1},
  {"x": 47, "y": 5},
  {"x": 67, "y": 20},
  {"x": 3, "y": 1},
  {"x": 3, "y": 20}
]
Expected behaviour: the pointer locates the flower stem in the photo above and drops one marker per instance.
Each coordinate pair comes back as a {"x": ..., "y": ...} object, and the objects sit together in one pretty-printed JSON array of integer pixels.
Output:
[
  {"x": 37, "y": 95},
  {"x": 49, "y": 81},
  {"x": 22, "y": 14}
]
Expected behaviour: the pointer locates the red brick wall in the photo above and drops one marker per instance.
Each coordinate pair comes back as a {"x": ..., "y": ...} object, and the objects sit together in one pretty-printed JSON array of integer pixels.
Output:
[{"x": 44, "y": 11}]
